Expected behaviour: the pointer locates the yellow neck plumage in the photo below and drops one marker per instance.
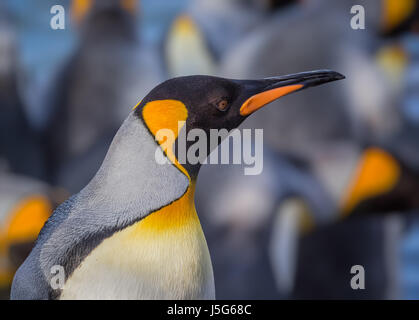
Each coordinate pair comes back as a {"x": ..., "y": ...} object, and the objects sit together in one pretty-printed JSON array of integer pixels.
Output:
[{"x": 166, "y": 114}]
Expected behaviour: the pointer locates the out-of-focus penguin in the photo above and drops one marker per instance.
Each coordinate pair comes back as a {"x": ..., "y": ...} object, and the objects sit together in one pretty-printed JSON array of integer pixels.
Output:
[
  {"x": 388, "y": 175},
  {"x": 399, "y": 58},
  {"x": 381, "y": 182},
  {"x": 238, "y": 213},
  {"x": 209, "y": 29},
  {"x": 332, "y": 42},
  {"x": 25, "y": 205},
  {"x": 20, "y": 150},
  {"x": 109, "y": 73}
]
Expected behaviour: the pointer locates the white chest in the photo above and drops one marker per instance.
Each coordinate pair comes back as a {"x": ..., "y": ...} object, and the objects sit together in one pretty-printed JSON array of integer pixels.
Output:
[{"x": 139, "y": 263}]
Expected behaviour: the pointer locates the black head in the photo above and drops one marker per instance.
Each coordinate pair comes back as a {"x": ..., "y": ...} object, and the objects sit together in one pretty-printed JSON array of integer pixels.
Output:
[{"x": 207, "y": 102}]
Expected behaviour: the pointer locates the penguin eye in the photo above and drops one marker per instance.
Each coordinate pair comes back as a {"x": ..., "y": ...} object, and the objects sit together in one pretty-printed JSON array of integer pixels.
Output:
[{"x": 222, "y": 105}]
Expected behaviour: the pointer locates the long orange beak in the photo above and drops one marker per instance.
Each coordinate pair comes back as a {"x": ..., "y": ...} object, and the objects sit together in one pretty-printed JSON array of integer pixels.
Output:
[{"x": 271, "y": 89}]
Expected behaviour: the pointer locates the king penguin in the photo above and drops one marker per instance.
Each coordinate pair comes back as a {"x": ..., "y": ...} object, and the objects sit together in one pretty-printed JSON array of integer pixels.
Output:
[{"x": 133, "y": 231}]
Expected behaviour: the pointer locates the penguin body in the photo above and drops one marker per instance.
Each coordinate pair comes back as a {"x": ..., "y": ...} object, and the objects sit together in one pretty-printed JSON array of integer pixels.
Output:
[
  {"x": 107, "y": 208},
  {"x": 133, "y": 231},
  {"x": 138, "y": 272}
]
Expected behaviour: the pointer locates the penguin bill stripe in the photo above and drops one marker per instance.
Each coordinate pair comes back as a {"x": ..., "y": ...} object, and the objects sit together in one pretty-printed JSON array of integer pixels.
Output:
[
  {"x": 261, "y": 99},
  {"x": 270, "y": 89}
]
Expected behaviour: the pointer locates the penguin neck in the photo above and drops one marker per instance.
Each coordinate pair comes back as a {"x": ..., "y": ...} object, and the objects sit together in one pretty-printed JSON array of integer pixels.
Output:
[
  {"x": 130, "y": 181},
  {"x": 180, "y": 214}
]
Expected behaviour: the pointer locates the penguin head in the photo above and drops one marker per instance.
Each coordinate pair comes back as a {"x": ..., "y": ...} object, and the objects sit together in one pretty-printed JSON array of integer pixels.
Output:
[
  {"x": 206, "y": 102},
  {"x": 86, "y": 13},
  {"x": 398, "y": 16}
]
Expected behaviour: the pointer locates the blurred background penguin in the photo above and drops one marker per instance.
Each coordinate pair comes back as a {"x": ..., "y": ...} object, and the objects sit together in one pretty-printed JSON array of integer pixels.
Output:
[
  {"x": 25, "y": 202},
  {"x": 333, "y": 174},
  {"x": 25, "y": 205},
  {"x": 199, "y": 29},
  {"x": 25, "y": 142},
  {"x": 399, "y": 59},
  {"x": 109, "y": 73}
]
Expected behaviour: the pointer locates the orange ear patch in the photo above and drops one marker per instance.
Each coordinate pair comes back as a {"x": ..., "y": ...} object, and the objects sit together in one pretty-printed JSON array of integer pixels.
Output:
[
  {"x": 376, "y": 173},
  {"x": 166, "y": 115}
]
